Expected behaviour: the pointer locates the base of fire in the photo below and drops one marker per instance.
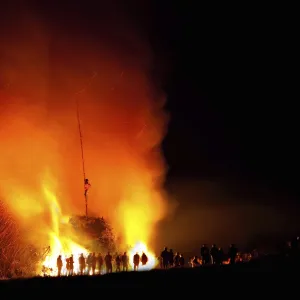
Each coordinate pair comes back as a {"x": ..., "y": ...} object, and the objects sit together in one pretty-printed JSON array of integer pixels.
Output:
[
  {"x": 50, "y": 268},
  {"x": 95, "y": 236}
]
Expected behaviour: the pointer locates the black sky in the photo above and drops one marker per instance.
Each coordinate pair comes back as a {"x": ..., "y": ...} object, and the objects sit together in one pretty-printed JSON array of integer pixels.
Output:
[
  {"x": 232, "y": 95},
  {"x": 232, "y": 143}
]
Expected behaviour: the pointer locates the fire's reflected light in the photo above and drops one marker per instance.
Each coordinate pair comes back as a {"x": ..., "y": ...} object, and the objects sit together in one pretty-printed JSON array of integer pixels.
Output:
[{"x": 140, "y": 248}]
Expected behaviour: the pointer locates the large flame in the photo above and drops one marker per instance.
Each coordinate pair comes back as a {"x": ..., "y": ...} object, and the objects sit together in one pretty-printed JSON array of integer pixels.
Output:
[
  {"x": 60, "y": 244},
  {"x": 123, "y": 123}
]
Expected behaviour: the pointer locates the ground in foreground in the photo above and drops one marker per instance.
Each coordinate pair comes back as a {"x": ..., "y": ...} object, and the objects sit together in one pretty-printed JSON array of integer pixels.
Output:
[{"x": 223, "y": 277}]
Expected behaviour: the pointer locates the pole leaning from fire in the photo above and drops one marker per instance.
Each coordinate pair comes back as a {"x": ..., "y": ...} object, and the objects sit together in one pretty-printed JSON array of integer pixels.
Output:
[
  {"x": 86, "y": 184},
  {"x": 82, "y": 157}
]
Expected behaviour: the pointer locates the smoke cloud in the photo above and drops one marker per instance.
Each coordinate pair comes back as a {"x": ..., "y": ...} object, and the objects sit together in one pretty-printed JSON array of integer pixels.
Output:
[
  {"x": 105, "y": 64},
  {"x": 225, "y": 212}
]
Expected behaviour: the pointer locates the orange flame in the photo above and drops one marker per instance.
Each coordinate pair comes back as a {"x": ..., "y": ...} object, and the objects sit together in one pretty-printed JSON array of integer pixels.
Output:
[
  {"x": 123, "y": 123},
  {"x": 59, "y": 244}
]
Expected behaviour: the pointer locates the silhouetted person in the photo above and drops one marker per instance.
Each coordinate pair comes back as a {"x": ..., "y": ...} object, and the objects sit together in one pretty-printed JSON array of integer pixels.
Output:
[
  {"x": 81, "y": 261},
  {"x": 181, "y": 260},
  {"x": 136, "y": 262},
  {"x": 165, "y": 258},
  {"x": 108, "y": 263},
  {"x": 89, "y": 262},
  {"x": 68, "y": 265},
  {"x": 160, "y": 262},
  {"x": 59, "y": 265},
  {"x": 220, "y": 257},
  {"x": 125, "y": 261},
  {"x": 94, "y": 263},
  {"x": 144, "y": 259},
  {"x": 171, "y": 258},
  {"x": 100, "y": 262},
  {"x": 177, "y": 260},
  {"x": 118, "y": 263},
  {"x": 71, "y": 261},
  {"x": 214, "y": 254},
  {"x": 232, "y": 253},
  {"x": 87, "y": 186},
  {"x": 205, "y": 256}
]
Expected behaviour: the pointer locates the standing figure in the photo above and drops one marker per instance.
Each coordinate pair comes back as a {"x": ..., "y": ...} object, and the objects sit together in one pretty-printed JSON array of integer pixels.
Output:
[{"x": 59, "y": 265}]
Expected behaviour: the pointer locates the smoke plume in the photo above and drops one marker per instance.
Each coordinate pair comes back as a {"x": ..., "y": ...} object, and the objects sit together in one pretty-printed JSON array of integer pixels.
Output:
[{"x": 103, "y": 63}]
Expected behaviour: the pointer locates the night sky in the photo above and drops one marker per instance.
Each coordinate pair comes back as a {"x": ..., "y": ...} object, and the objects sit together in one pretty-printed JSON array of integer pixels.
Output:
[
  {"x": 232, "y": 97},
  {"x": 232, "y": 144},
  {"x": 229, "y": 74}
]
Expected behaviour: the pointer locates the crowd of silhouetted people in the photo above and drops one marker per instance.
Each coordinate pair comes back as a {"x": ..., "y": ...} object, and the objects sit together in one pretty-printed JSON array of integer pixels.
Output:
[
  {"x": 216, "y": 256},
  {"x": 213, "y": 255},
  {"x": 94, "y": 264},
  {"x": 97, "y": 264}
]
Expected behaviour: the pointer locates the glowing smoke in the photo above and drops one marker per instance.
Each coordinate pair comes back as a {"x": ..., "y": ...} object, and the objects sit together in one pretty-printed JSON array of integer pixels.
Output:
[{"x": 123, "y": 122}]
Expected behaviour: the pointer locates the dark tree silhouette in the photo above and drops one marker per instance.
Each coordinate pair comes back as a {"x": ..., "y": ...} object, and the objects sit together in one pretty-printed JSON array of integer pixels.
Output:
[{"x": 98, "y": 229}]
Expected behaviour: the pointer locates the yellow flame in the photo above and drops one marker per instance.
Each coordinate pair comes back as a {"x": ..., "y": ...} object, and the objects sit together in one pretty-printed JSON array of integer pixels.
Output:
[
  {"x": 137, "y": 214},
  {"x": 65, "y": 246},
  {"x": 59, "y": 244}
]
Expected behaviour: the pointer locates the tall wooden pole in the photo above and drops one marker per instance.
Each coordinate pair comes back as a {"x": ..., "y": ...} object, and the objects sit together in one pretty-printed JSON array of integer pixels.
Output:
[
  {"x": 82, "y": 157},
  {"x": 81, "y": 142}
]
